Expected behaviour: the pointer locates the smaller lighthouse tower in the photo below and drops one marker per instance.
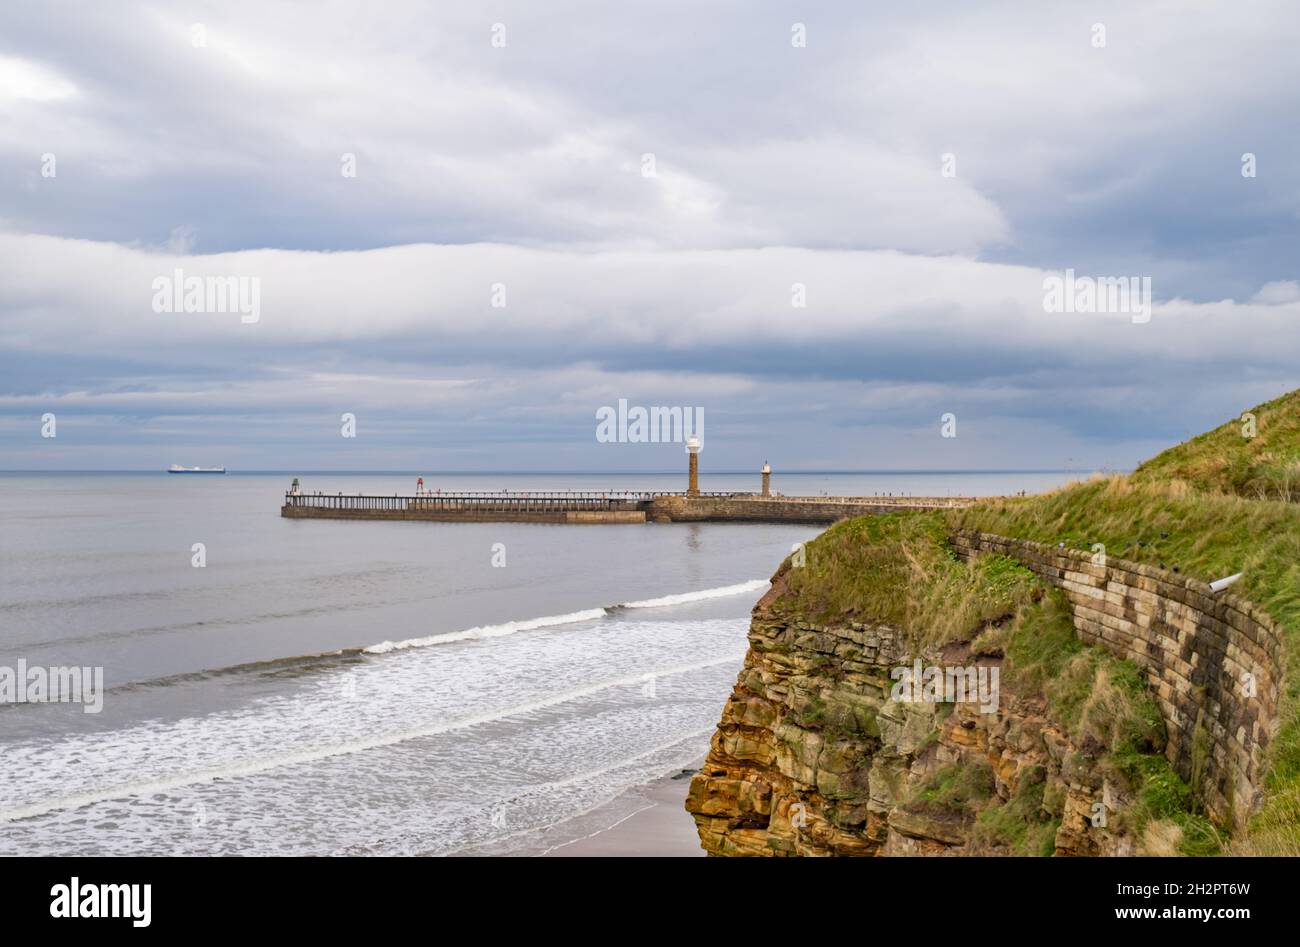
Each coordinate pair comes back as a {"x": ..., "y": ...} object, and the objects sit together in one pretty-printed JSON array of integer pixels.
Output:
[
  {"x": 693, "y": 446},
  {"x": 767, "y": 479}
]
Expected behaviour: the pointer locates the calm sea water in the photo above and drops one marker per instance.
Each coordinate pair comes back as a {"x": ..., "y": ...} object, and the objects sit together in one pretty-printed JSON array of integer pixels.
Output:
[{"x": 340, "y": 687}]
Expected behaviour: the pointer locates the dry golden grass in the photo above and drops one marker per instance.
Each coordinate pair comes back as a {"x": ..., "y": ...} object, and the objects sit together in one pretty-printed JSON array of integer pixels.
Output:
[
  {"x": 1111, "y": 711},
  {"x": 1277, "y": 829},
  {"x": 898, "y": 569},
  {"x": 1162, "y": 838}
]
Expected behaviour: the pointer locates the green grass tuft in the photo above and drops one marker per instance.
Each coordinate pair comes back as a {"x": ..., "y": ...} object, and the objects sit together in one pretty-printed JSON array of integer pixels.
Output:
[
  {"x": 954, "y": 790},
  {"x": 1022, "y": 824}
]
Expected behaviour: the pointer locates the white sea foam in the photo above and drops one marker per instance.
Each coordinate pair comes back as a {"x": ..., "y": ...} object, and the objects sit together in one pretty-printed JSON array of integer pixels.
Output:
[
  {"x": 550, "y": 621},
  {"x": 487, "y": 631},
  {"x": 231, "y": 770},
  {"x": 753, "y": 585}
]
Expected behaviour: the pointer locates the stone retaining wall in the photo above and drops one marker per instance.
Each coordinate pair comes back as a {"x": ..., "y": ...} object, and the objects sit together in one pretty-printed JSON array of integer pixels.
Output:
[{"x": 1215, "y": 662}]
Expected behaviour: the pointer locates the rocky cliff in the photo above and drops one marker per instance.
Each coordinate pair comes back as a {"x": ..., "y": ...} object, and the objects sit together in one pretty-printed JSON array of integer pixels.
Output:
[
  {"x": 816, "y": 755},
  {"x": 812, "y": 757}
]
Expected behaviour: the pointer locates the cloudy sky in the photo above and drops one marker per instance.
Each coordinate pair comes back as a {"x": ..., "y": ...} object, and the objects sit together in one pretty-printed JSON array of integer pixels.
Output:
[{"x": 642, "y": 185}]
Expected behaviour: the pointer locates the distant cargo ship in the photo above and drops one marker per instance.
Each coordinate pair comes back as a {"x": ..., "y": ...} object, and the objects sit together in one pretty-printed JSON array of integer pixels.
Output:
[{"x": 177, "y": 468}]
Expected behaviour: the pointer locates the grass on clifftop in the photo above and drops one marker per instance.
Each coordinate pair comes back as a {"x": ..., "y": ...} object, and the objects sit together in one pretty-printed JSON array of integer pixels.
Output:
[
  {"x": 1225, "y": 460},
  {"x": 1206, "y": 536},
  {"x": 898, "y": 569}
]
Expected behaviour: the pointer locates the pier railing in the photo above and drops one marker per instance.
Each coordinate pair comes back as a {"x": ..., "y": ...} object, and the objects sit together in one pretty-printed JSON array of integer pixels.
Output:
[{"x": 531, "y": 502}]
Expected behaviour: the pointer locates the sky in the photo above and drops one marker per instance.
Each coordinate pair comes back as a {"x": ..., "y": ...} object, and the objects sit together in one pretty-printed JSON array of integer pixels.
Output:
[{"x": 825, "y": 225}]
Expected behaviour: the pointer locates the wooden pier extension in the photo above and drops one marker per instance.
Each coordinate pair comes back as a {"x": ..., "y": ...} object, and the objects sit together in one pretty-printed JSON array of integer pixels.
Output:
[
  {"x": 560, "y": 507},
  {"x": 579, "y": 507}
]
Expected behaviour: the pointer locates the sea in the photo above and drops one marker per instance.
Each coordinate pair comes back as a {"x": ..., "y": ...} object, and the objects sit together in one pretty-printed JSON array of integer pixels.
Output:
[{"x": 315, "y": 687}]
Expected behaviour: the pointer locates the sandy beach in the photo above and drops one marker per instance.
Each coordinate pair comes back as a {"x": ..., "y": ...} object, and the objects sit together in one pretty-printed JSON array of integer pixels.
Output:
[
  {"x": 658, "y": 825},
  {"x": 648, "y": 820}
]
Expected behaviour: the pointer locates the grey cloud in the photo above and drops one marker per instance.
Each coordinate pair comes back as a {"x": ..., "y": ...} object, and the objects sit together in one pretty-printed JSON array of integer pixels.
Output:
[{"x": 774, "y": 164}]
